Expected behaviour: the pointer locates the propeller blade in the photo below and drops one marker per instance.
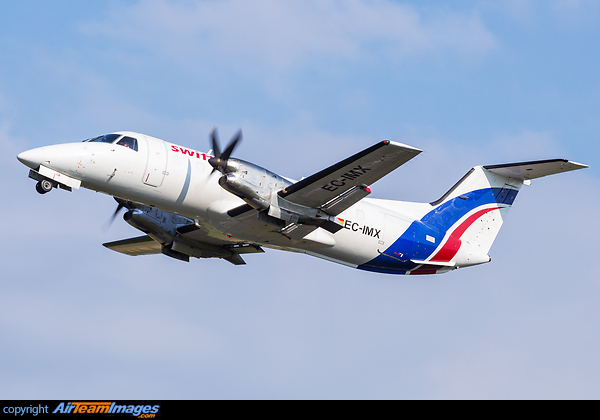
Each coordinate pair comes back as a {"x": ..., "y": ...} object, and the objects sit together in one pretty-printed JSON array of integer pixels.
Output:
[
  {"x": 122, "y": 204},
  {"x": 234, "y": 141},
  {"x": 214, "y": 136}
]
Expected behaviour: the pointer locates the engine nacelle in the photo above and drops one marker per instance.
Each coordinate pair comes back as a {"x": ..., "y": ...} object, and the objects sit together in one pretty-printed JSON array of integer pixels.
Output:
[
  {"x": 252, "y": 183},
  {"x": 159, "y": 225},
  {"x": 259, "y": 187},
  {"x": 254, "y": 196}
]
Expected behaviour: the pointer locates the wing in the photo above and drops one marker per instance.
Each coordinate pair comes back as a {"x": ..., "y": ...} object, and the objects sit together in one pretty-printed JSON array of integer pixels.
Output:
[
  {"x": 341, "y": 185},
  {"x": 188, "y": 245},
  {"x": 142, "y": 245}
]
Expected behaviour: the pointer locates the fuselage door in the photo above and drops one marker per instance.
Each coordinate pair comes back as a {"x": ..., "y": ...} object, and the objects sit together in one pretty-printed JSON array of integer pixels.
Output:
[{"x": 157, "y": 162}]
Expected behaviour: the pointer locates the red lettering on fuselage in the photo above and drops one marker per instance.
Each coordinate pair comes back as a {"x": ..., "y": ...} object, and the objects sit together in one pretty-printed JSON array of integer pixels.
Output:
[{"x": 188, "y": 152}]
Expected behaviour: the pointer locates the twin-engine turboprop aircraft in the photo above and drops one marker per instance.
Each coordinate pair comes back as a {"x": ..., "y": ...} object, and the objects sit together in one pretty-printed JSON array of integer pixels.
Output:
[{"x": 206, "y": 205}]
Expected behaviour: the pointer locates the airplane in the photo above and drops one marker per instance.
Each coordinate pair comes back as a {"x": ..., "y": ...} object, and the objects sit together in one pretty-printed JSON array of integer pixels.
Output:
[{"x": 210, "y": 205}]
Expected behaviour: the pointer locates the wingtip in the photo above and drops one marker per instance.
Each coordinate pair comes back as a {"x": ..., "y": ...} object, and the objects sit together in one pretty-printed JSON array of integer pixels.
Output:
[
  {"x": 404, "y": 146},
  {"x": 579, "y": 165}
]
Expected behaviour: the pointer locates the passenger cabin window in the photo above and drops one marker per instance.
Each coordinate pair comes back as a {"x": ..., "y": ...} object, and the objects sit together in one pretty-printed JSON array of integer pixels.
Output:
[
  {"x": 109, "y": 138},
  {"x": 129, "y": 142}
]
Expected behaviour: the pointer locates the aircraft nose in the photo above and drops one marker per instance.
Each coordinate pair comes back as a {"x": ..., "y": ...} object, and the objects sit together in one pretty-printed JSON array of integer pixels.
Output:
[{"x": 32, "y": 158}]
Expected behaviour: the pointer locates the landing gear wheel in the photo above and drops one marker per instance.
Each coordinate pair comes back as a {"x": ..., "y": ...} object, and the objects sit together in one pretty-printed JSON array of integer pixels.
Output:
[{"x": 43, "y": 186}]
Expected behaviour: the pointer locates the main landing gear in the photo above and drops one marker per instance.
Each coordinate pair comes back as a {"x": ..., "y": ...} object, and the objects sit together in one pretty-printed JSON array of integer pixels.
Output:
[{"x": 44, "y": 186}]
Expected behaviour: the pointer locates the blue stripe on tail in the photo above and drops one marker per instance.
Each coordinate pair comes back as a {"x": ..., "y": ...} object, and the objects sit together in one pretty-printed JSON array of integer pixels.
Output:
[{"x": 413, "y": 245}]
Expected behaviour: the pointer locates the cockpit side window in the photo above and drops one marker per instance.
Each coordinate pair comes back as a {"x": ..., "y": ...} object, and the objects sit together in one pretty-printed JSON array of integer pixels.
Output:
[
  {"x": 109, "y": 138},
  {"x": 129, "y": 142}
]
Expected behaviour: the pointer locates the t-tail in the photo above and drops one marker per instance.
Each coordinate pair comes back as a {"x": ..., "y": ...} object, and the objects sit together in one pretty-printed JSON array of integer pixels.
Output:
[{"x": 459, "y": 229}]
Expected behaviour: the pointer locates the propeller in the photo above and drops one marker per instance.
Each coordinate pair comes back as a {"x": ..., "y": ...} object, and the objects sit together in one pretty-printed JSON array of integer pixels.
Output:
[
  {"x": 120, "y": 206},
  {"x": 219, "y": 162}
]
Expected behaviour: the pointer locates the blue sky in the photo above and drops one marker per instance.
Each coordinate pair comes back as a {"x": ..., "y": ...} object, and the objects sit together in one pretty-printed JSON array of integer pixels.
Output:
[{"x": 309, "y": 82}]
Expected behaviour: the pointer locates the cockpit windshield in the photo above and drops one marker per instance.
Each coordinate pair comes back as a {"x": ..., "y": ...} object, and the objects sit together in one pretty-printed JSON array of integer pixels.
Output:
[
  {"x": 125, "y": 141},
  {"x": 109, "y": 138}
]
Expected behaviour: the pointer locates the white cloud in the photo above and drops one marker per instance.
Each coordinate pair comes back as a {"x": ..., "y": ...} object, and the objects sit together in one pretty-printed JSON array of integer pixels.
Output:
[{"x": 272, "y": 35}]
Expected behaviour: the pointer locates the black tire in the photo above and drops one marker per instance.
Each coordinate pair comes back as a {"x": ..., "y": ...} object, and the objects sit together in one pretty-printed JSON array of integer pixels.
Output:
[{"x": 43, "y": 186}]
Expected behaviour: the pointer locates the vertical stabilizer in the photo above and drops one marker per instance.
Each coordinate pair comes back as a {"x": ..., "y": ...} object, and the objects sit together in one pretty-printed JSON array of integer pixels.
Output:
[
  {"x": 459, "y": 229},
  {"x": 471, "y": 214},
  {"x": 469, "y": 217}
]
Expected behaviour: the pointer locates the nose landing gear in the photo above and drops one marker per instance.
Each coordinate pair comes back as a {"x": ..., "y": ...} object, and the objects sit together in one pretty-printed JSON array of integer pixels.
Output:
[{"x": 44, "y": 186}]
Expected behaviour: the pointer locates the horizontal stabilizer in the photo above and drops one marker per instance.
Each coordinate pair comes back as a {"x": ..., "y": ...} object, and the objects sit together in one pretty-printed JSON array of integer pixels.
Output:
[{"x": 537, "y": 169}]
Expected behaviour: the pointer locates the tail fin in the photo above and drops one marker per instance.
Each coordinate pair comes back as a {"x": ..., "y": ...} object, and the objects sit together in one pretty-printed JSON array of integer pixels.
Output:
[{"x": 470, "y": 215}]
